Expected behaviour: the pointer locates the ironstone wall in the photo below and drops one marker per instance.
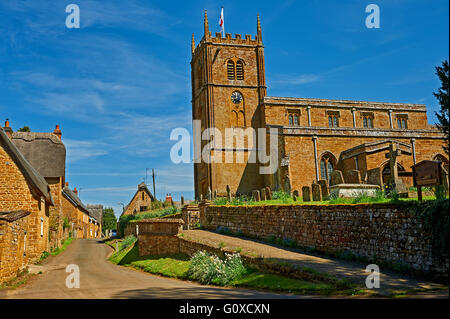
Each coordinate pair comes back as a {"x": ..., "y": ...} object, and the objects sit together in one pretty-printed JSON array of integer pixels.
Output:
[{"x": 383, "y": 232}]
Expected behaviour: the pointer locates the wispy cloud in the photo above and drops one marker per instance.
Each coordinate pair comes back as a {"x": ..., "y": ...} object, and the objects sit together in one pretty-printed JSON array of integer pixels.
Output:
[{"x": 81, "y": 150}]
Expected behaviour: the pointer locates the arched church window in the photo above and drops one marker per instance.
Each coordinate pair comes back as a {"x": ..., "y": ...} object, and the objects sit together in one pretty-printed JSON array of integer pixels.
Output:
[
  {"x": 291, "y": 121},
  {"x": 327, "y": 165},
  {"x": 240, "y": 70},
  {"x": 296, "y": 120},
  {"x": 230, "y": 70}
]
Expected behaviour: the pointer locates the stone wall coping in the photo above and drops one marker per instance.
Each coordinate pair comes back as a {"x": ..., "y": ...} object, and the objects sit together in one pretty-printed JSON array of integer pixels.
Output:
[
  {"x": 160, "y": 220},
  {"x": 362, "y": 205},
  {"x": 355, "y": 186}
]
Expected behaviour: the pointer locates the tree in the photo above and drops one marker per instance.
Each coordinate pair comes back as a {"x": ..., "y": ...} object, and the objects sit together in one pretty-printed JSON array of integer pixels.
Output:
[
  {"x": 24, "y": 129},
  {"x": 442, "y": 96},
  {"x": 109, "y": 219}
]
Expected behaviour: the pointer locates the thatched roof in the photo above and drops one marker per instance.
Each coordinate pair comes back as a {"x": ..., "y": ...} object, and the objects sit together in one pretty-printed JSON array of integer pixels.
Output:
[
  {"x": 45, "y": 152},
  {"x": 96, "y": 211},
  {"x": 37, "y": 183}
]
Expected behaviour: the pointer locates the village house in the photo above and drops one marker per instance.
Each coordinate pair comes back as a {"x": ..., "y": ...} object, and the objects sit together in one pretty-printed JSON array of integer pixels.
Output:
[
  {"x": 141, "y": 201},
  {"x": 315, "y": 136},
  {"x": 25, "y": 203},
  {"x": 77, "y": 212},
  {"x": 96, "y": 213},
  {"x": 47, "y": 154}
]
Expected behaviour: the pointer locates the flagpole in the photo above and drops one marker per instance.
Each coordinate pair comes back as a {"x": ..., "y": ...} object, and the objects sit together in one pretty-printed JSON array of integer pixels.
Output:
[{"x": 223, "y": 23}]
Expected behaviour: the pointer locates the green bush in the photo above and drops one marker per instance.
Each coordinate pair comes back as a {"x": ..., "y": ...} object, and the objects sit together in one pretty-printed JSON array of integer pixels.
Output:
[{"x": 208, "y": 269}]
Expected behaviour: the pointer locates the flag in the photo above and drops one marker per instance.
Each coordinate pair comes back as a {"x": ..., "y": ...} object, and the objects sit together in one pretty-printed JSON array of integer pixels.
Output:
[{"x": 221, "y": 23}]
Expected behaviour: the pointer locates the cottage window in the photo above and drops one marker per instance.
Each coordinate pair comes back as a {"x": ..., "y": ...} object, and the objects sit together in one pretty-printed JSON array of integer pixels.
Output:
[
  {"x": 291, "y": 121},
  {"x": 42, "y": 227}
]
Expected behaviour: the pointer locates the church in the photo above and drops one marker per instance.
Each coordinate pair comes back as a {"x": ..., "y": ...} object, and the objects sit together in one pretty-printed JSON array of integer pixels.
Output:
[{"x": 315, "y": 136}]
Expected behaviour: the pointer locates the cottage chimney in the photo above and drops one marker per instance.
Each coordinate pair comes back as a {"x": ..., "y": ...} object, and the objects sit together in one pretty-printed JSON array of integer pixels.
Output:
[
  {"x": 75, "y": 191},
  {"x": 57, "y": 131},
  {"x": 7, "y": 129}
]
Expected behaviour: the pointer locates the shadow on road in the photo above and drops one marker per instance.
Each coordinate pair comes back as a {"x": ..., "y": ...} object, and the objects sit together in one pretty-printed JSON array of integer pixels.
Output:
[{"x": 198, "y": 293}]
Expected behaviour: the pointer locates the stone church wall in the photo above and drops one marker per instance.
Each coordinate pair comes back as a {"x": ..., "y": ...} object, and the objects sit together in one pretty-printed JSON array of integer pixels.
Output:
[{"x": 382, "y": 231}]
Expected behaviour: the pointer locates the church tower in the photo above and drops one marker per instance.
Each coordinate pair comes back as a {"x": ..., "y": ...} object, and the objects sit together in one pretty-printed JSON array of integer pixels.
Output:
[{"x": 228, "y": 90}]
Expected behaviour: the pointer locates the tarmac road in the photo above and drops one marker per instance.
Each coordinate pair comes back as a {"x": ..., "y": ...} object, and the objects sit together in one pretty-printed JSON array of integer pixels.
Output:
[{"x": 102, "y": 279}]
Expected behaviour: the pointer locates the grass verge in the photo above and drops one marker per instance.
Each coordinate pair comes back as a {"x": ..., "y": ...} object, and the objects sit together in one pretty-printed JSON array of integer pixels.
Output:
[{"x": 176, "y": 266}]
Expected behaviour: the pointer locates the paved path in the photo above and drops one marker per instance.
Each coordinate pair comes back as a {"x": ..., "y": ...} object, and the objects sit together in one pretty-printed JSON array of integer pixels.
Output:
[
  {"x": 351, "y": 271},
  {"x": 101, "y": 279}
]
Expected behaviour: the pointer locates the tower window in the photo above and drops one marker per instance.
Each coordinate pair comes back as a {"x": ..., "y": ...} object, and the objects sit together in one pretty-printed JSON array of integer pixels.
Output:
[
  {"x": 235, "y": 69},
  {"x": 291, "y": 120},
  {"x": 240, "y": 70},
  {"x": 230, "y": 70}
]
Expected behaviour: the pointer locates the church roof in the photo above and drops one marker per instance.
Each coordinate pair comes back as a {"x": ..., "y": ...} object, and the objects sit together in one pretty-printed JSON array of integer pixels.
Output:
[
  {"x": 45, "y": 152},
  {"x": 38, "y": 184}
]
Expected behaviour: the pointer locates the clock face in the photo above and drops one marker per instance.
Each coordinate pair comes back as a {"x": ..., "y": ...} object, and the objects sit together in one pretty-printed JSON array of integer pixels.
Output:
[{"x": 236, "y": 97}]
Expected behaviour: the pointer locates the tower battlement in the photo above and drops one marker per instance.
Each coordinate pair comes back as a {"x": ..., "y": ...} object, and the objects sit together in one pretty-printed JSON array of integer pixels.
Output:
[{"x": 238, "y": 39}]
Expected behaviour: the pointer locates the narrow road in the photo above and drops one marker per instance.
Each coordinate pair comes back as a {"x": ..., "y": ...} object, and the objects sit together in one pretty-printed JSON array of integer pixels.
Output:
[{"x": 101, "y": 279}]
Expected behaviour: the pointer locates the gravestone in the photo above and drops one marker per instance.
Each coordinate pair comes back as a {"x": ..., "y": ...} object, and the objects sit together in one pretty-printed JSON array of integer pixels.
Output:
[
  {"x": 182, "y": 201},
  {"x": 336, "y": 178},
  {"x": 256, "y": 195},
  {"x": 287, "y": 185},
  {"x": 324, "y": 186},
  {"x": 352, "y": 177},
  {"x": 374, "y": 177},
  {"x": 268, "y": 193},
  {"x": 228, "y": 193},
  {"x": 215, "y": 194},
  {"x": 306, "y": 194},
  {"x": 263, "y": 194},
  {"x": 201, "y": 197},
  {"x": 295, "y": 195},
  {"x": 316, "y": 192},
  {"x": 209, "y": 194}
]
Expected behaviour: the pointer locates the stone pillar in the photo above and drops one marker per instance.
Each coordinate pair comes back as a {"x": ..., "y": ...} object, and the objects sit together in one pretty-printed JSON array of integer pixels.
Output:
[
  {"x": 308, "y": 109},
  {"x": 390, "y": 119},
  {"x": 354, "y": 116},
  {"x": 413, "y": 146},
  {"x": 315, "y": 157}
]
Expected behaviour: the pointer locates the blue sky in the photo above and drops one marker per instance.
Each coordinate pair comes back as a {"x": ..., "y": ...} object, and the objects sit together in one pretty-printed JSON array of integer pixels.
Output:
[{"x": 118, "y": 85}]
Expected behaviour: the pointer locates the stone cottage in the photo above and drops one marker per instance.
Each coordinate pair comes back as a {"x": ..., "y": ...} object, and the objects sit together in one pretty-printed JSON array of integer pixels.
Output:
[
  {"x": 140, "y": 202},
  {"x": 96, "y": 213},
  {"x": 77, "y": 212},
  {"x": 25, "y": 202},
  {"x": 47, "y": 154}
]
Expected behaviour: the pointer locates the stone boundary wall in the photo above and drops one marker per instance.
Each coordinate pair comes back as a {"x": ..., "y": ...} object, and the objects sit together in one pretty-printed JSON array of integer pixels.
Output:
[{"x": 383, "y": 232}]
